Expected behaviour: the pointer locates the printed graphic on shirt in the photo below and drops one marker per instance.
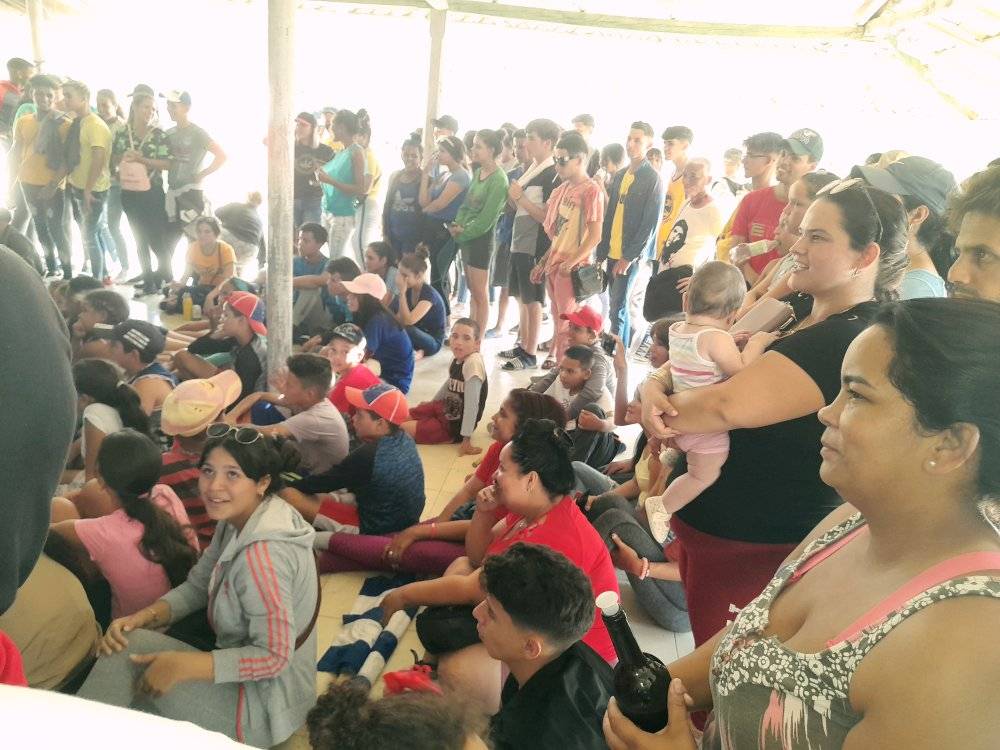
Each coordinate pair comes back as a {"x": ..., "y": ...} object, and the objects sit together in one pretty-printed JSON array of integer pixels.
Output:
[{"x": 676, "y": 238}]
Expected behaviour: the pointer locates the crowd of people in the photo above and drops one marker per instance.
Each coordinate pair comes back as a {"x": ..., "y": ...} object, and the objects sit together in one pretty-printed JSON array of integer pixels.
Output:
[{"x": 813, "y": 364}]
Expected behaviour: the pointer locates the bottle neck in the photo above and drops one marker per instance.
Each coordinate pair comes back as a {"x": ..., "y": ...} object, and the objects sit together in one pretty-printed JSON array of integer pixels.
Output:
[{"x": 627, "y": 648}]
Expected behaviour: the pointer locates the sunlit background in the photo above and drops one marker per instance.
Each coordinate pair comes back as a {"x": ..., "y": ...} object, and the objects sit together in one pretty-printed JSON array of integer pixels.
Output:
[{"x": 858, "y": 95}]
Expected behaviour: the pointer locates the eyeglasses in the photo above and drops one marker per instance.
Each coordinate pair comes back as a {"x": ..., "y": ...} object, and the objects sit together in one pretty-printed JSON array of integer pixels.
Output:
[
  {"x": 244, "y": 435},
  {"x": 562, "y": 161},
  {"x": 839, "y": 186}
]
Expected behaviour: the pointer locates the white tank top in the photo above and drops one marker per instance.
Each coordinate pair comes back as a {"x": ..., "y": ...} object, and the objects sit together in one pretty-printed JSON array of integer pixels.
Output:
[{"x": 688, "y": 369}]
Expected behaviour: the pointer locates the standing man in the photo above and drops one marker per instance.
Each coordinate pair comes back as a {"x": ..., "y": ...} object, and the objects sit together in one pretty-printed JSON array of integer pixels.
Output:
[
  {"x": 975, "y": 216},
  {"x": 759, "y": 164},
  {"x": 584, "y": 125},
  {"x": 759, "y": 212},
  {"x": 529, "y": 242},
  {"x": 677, "y": 140},
  {"x": 310, "y": 155},
  {"x": 39, "y": 145},
  {"x": 88, "y": 153},
  {"x": 19, "y": 72},
  {"x": 573, "y": 221},
  {"x": 188, "y": 145},
  {"x": 635, "y": 202}
]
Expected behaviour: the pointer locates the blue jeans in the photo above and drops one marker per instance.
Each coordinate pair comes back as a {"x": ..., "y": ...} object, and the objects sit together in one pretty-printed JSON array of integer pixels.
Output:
[
  {"x": 423, "y": 341},
  {"x": 93, "y": 227},
  {"x": 51, "y": 228},
  {"x": 592, "y": 481},
  {"x": 619, "y": 291},
  {"x": 307, "y": 210}
]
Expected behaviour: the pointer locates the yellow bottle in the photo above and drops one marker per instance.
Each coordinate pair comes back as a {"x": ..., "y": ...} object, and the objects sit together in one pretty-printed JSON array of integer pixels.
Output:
[{"x": 187, "y": 305}]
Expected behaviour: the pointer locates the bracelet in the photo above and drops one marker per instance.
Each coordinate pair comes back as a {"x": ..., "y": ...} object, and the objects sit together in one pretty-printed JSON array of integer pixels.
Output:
[
  {"x": 645, "y": 569},
  {"x": 659, "y": 376}
]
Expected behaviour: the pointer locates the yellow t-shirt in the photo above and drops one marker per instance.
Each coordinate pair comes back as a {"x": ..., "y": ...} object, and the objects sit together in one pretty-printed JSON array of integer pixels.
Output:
[
  {"x": 374, "y": 170},
  {"x": 615, "y": 252},
  {"x": 671, "y": 210},
  {"x": 94, "y": 133},
  {"x": 34, "y": 170},
  {"x": 208, "y": 268}
]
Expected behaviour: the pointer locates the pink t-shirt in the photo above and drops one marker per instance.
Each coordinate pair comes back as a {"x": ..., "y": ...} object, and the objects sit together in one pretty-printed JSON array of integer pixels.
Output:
[{"x": 112, "y": 542}]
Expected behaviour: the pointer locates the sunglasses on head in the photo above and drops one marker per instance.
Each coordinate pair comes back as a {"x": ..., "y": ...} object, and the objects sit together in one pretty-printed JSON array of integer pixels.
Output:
[
  {"x": 244, "y": 435},
  {"x": 853, "y": 183}
]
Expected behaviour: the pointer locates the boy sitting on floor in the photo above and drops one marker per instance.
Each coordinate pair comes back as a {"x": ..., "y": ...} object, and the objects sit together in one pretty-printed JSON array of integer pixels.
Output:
[
  {"x": 457, "y": 407},
  {"x": 345, "y": 350},
  {"x": 597, "y": 447},
  {"x": 315, "y": 425},
  {"x": 538, "y": 606},
  {"x": 243, "y": 321},
  {"x": 384, "y": 474}
]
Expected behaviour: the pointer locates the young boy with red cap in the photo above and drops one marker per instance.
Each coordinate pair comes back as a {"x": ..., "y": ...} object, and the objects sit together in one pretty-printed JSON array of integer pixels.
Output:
[
  {"x": 585, "y": 326},
  {"x": 384, "y": 474},
  {"x": 243, "y": 321}
]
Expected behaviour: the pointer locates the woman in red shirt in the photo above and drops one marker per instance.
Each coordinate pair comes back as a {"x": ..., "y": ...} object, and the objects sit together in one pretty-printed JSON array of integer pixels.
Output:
[
  {"x": 528, "y": 502},
  {"x": 431, "y": 546}
]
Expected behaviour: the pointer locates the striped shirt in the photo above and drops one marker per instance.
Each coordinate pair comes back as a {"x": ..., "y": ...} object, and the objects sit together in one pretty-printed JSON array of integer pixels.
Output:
[
  {"x": 180, "y": 472},
  {"x": 688, "y": 368}
]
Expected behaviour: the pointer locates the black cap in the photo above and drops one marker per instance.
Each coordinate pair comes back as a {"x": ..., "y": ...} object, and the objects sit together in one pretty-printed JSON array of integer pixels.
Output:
[
  {"x": 307, "y": 117},
  {"x": 925, "y": 180},
  {"x": 145, "y": 337},
  {"x": 349, "y": 333},
  {"x": 446, "y": 122}
]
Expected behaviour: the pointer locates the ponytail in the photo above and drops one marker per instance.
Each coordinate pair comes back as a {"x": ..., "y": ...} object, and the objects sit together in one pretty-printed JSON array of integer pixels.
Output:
[
  {"x": 129, "y": 463},
  {"x": 98, "y": 379},
  {"x": 129, "y": 408}
]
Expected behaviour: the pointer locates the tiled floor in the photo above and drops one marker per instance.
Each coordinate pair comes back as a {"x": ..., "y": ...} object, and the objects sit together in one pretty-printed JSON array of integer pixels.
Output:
[{"x": 445, "y": 473}]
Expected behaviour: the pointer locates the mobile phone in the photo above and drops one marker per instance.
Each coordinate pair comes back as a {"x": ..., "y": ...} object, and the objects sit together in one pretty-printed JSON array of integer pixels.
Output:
[{"x": 608, "y": 344}]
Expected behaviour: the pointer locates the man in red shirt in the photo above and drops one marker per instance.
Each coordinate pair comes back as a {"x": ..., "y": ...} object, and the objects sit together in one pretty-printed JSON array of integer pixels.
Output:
[
  {"x": 758, "y": 214},
  {"x": 11, "y": 93}
]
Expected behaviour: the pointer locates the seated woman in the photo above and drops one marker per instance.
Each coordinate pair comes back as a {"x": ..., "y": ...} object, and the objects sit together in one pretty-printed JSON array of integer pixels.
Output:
[
  {"x": 384, "y": 475},
  {"x": 204, "y": 337},
  {"x": 527, "y": 503},
  {"x": 144, "y": 547},
  {"x": 101, "y": 307},
  {"x": 106, "y": 406},
  {"x": 840, "y": 634},
  {"x": 851, "y": 252},
  {"x": 418, "y": 306},
  {"x": 259, "y": 584},
  {"x": 381, "y": 260},
  {"x": 431, "y": 546},
  {"x": 210, "y": 261},
  {"x": 387, "y": 342}
]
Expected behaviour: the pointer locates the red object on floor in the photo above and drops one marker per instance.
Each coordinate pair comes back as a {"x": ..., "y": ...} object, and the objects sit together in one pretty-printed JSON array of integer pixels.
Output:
[
  {"x": 416, "y": 679},
  {"x": 721, "y": 573},
  {"x": 11, "y": 666}
]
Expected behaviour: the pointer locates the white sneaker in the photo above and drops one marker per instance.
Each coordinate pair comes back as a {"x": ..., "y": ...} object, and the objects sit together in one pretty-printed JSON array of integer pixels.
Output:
[{"x": 658, "y": 518}]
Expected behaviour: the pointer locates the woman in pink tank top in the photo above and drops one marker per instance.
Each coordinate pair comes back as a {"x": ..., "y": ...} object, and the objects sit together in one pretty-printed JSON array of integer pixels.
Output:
[{"x": 845, "y": 647}]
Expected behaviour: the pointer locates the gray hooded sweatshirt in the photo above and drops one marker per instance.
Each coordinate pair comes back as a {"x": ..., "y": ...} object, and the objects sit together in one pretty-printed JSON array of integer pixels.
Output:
[{"x": 259, "y": 587}]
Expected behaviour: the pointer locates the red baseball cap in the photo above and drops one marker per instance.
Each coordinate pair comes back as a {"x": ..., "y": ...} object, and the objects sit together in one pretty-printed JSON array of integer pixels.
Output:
[
  {"x": 386, "y": 401},
  {"x": 251, "y": 307},
  {"x": 585, "y": 317}
]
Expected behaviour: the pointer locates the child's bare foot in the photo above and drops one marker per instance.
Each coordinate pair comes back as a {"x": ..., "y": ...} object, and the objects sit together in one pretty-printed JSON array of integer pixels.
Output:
[{"x": 468, "y": 449}]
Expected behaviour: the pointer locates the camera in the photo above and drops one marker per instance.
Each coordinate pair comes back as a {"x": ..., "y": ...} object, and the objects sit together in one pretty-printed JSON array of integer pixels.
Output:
[{"x": 608, "y": 344}]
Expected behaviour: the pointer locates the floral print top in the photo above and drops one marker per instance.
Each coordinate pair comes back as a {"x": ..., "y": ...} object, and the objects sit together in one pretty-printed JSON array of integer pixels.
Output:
[{"x": 769, "y": 697}]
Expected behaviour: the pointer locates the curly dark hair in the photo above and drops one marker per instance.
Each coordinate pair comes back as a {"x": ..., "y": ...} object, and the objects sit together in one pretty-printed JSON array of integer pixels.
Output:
[{"x": 345, "y": 719}]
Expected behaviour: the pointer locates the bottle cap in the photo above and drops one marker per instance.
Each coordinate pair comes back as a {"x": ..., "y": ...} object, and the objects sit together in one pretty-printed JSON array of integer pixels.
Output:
[{"x": 609, "y": 603}]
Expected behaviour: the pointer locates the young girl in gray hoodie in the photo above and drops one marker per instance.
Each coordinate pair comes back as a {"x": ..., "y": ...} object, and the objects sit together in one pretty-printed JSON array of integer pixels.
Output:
[{"x": 258, "y": 582}]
